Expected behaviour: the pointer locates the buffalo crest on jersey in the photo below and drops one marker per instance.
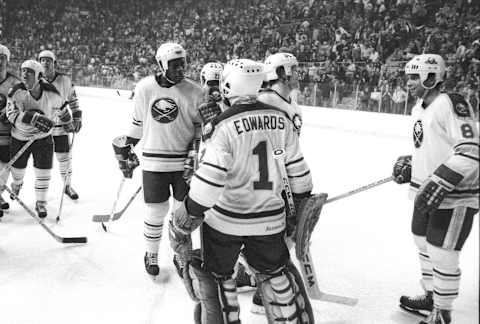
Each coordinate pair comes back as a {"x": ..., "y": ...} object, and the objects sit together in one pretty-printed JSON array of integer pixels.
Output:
[
  {"x": 418, "y": 134},
  {"x": 164, "y": 110}
]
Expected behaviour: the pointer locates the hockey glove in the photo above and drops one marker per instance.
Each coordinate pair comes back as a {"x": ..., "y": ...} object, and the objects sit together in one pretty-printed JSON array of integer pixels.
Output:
[
  {"x": 180, "y": 243},
  {"x": 209, "y": 110},
  {"x": 127, "y": 159},
  {"x": 37, "y": 120},
  {"x": 183, "y": 222},
  {"x": 77, "y": 120},
  {"x": 402, "y": 170},
  {"x": 65, "y": 118},
  {"x": 433, "y": 191}
]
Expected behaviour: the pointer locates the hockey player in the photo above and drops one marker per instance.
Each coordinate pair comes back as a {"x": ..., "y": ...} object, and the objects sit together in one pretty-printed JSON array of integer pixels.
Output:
[
  {"x": 60, "y": 132},
  {"x": 281, "y": 79},
  {"x": 166, "y": 118},
  {"x": 443, "y": 177},
  {"x": 32, "y": 108},
  {"x": 236, "y": 194},
  {"x": 7, "y": 81}
]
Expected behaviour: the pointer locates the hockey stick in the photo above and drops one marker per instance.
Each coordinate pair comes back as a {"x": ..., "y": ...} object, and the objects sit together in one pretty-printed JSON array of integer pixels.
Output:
[
  {"x": 65, "y": 182},
  {"x": 306, "y": 264},
  {"x": 117, "y": 215},
  {"x": 25, "y": 146},
  {"x": 79, "y": 239},
  {"x": 363, "y": 188},
  {"x": 119, "y": 191}
]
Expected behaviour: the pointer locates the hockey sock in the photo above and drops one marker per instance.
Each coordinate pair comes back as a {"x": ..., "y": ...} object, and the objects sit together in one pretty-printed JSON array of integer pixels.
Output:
[
  {"x": 17, "y": 176},
  {"x": 42, "y": 181},
  {"x": 153, "y": 225},
  {"x": 425, "y": 262},
  {"x": 65, "y": 164},
  {"x": 446, "y": 276}
]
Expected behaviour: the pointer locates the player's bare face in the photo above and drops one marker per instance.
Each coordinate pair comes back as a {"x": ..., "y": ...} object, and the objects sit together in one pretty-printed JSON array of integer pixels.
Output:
[
  {"x": 293, "y": 82},
  {"x": 47, "y": 64},
  {"x": 414, "y": 85},
  {"x": 28, "y": 77},
  {"x": 176, "y": 70}
]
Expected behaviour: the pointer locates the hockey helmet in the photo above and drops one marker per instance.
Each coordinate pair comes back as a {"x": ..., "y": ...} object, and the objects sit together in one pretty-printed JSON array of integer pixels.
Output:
[
  {"x": 47, "y": 54},
  {"x": 34, "y": 66},
  {"x": 286, "y": 60},
  {"x": 210, "y": 72},
  {"x": 5, "y": 51},
  {"x": 425, "y": 64},
  {"x": 167, "y": 52},
  {"x": 241, "y": 77}
]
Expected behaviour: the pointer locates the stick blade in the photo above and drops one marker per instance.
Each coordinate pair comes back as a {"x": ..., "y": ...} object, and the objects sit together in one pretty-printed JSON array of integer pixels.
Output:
[
  {"x": 80, "y": 239},
  {"x": 337, "y": 299},
  {"x": 100, "y": 218}
]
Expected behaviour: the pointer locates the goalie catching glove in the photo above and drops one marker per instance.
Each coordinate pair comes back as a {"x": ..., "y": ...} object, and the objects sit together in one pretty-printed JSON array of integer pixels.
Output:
[
  {"x": 127, "y": 159},
  {"x": 308, "y": 211}
]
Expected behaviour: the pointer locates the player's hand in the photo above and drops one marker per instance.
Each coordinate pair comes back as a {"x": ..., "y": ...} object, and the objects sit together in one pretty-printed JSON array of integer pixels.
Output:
[
  {"x": 430, "y": 195},
  {"x": 402, "y": 170},
  {"x": 37, "y": 120}
]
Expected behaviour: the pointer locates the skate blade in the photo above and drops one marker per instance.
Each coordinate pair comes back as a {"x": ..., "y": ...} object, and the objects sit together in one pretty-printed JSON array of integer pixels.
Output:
[
  {"x": 256, "y": 309},
  {"x": 420, "y": 313}
]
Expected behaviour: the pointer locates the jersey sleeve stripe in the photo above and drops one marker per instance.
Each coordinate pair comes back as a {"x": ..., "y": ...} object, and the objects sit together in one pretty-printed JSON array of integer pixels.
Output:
[
  {"x": 215, "y": 166},
  {"x": 468, "y": 156},
  {"x": 448, "y": 174},
  {"x": 166, "y": 156},
  {"x": 208, "y": 182},
  {"x": 267, "y": 213},
  {"x": 294, "y": 161},
  {"x": 299, "y": 175},
  {"x": 467, "y": 143}
]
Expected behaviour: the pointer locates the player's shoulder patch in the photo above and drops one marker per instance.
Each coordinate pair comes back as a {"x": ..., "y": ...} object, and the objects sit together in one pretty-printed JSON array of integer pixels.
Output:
[
  {"x": 15, "y": 88},
  {"x": 208, "y": 129},
  {"x": 460, "y": 105}
]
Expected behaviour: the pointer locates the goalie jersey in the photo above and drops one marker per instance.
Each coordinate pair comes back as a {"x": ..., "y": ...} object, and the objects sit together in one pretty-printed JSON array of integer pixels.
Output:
[
  {"x": 273, "y": 98},
  {"x": 167, "y": 119},
  {"x": 239, "y": 179},
  {"x": 445, "y": 138},
  {"x": 66, "y": 88},
  {"x": 5, "y": 127}
]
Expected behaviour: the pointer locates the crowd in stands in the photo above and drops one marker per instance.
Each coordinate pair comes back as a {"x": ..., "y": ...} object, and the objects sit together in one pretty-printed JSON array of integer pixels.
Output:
[{"x": 349, "y": 49}]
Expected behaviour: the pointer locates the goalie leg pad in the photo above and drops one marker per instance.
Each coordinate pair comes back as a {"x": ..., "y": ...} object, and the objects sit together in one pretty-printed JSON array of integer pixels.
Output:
[
  {"x": 284, "y": 296},
  {"x": 308, "y": 214},
  {"x": 228, "y": 297}
]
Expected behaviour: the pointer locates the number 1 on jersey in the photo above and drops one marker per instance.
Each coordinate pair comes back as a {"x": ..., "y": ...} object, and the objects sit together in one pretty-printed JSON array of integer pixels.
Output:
[{"x": 263, "y": 183}]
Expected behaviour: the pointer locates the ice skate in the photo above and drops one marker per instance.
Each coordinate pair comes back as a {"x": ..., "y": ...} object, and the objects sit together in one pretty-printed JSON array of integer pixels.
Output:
[
  {"x": 419, "y": 305},
  {"x": 3, "y": 204},
  {"x": 257, "y": 304},
  {"x": 71, "y": 193},
  {"x": 245, "y": 280},
  {"x": 41, "y": 208},
  {"x": 152, "y": 268},
  {"x": 438, "y": 316},
  {"x": 16, "y": 190}
]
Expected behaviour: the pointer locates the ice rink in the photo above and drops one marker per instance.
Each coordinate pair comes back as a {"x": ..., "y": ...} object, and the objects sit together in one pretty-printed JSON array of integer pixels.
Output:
[{"x": 362, "y": 246}]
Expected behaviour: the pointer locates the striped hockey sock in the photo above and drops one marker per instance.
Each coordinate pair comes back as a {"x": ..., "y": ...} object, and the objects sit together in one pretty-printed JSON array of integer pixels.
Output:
[{"x": 42, "y": 182}]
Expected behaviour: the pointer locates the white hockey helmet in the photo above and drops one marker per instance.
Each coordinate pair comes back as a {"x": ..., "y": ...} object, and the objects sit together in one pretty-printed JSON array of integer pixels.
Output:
[
  {"x": 210, "y": 72},
  {"x": 286, "y": 60},
  {"x": 5, "y": 51},
  {"x": 34, "y": 66},
  {"x": 167, "y": 52},
  {"x": 47, "y": 54},
  {"x": 425, "y": 64},
  {"x": 241, "y": 77}
]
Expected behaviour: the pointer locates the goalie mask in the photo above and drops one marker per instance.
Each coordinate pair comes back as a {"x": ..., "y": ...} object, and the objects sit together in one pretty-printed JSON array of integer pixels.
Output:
[
  {"x": 241, "y": 78},
  {"x": 425, "y": 64},
  {"x": 5, "y": 51},
  {"x": 285, "y": 60}
]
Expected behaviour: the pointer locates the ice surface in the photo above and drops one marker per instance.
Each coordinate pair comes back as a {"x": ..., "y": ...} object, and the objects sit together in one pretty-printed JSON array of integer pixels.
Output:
[{"x": 362, "y": 245}]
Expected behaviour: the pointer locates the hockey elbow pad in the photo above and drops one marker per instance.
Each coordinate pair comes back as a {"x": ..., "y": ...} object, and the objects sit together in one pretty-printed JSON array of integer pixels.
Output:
[{"x": 402, "y": 170}]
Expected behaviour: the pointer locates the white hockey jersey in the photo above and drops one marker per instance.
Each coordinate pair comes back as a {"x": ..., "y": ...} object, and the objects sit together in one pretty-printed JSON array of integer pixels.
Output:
[
  {"x": 239, "y": 179},
  {"x": 167, "y": 119},
  {"x": 293, "y": 110},
  {"x": 66, "y": 88},
  {"x": 446, "y": 142},
  {"x": 20, "y": 100},
  {"x": 5, "y": 126}
]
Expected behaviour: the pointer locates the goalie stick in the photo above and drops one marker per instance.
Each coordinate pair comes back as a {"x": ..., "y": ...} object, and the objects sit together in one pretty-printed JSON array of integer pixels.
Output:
[
  {"x": 115, "y": 216},
  {"x": 61, "y": 239},
  {"x": 306, "y": 264}
]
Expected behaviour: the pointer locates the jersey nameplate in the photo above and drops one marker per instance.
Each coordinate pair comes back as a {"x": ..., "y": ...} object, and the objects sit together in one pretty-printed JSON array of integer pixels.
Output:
[{"x": 164, "y": 110}]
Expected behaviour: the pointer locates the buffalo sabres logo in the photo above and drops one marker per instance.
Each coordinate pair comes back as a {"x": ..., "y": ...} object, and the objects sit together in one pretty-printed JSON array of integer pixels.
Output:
[
  {"x": 297, "y": 122},
  {"x": 418, "y": 134},
  {"x": 164, "y": 110},
  {"x": 462, "y": 110}
]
